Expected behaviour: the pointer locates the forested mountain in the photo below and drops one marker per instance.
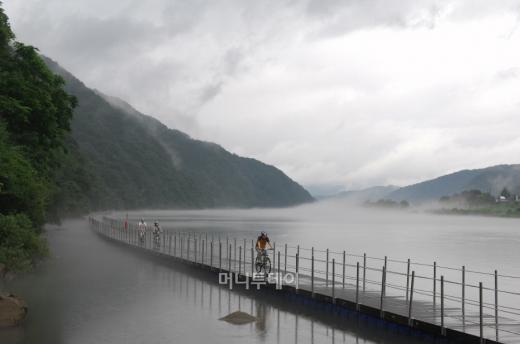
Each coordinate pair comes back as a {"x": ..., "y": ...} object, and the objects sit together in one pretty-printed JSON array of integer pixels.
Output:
[
  {"x": 373, "y": 193},
  {"x": 491, "y": 179},
  {"x": 68, "y": 150},
  {"x": 132, "y": 160}
]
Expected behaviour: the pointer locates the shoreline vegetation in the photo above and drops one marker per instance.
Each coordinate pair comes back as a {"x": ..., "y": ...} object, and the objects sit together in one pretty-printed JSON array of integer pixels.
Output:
[
  {"x": 493, "y": 211},
  {"x": 472, "y": 202},
  {"x": 476, "y": 202},
  {"x": 35, "y": 115}
]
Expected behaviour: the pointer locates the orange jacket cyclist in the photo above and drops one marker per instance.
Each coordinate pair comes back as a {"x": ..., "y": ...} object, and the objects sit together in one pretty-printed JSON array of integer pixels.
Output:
[{"x": 261, "y": 243}]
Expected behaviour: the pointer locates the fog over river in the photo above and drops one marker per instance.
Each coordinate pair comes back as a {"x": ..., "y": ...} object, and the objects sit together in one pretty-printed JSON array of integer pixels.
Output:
[{"x": 92, "y": 291}]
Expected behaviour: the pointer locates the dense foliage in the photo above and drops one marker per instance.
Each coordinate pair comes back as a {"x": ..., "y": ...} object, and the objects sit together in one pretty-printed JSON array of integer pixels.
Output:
[
  {"x": 475, "y": 202},
  {"x": 471, "y": 198},
  {"x": 18, "y": 242},
  {"x": 387, "y": 204},
  {"x": 35, "y": 114}
]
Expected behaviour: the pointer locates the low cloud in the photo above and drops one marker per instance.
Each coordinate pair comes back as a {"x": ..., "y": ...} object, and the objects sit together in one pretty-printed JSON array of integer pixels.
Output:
[{"x": 335, "y": 93}]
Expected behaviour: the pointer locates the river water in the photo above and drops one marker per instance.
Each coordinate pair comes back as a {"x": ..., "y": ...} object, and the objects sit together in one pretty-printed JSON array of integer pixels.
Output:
[{"x": 92, "y": 291}]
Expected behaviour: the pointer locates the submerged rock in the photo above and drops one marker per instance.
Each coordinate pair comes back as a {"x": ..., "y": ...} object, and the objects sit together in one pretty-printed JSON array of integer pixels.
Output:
[
  {"x": 12, "y": 310},
  {"x": 238, "y": 318}
]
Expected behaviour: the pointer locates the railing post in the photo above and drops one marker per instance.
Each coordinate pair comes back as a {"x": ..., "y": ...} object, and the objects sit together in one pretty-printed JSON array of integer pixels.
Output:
[
  {"x": 175, "y": 244},
  {"x": 220, "y": 256},
  {"x": 434, "y": 283},
  {"x": 443, "y": 330},
  {"x": 235, "y": 256},
  {"x": 188, "y": 249},
  {"x": 383, "y": 282},
  {"x": 229, "y": 259},
  {"x": 343, "y": 278},
  {"x": 481, "y": 324},
  {"x": 211, "y": 253},
  {"x": 195, "y": 247},
  {"x": 239, "y": 260},
  {"x": 410, "y": 304},
  {"x": 496, "y": 305},
  {"x": 203, "y": 247},
  {"x": 407, "y": 277},
  {"x": 463, "y": 296},
  {"x": 297, "y": 271},
  {"x": 386, "y": 266},
  {"x": 252, "y": 261},
  {"x": 364, "y": 269},
  {"x": 169, "y": 244},
  {"x": 327, "y": 270},
  {"x": 274, "y": 256},
  {"x": 279, "y": 275},
  {"x": 333, "y": 279},
  {"x": 357, "y": 286},
  {"x": 285, "y": 260},
  {"x": 312, "y": 274}
]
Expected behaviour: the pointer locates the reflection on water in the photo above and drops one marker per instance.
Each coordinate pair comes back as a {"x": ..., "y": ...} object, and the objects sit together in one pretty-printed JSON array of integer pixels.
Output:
[{"x": 92, "y": 291}]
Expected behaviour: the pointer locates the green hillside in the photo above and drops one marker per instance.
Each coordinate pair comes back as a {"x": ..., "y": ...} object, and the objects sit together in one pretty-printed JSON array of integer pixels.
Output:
[
  {"x": 67, "y": 150},
  {"x": 134, "y": 161},
  {"x": 491, "y": 179}
]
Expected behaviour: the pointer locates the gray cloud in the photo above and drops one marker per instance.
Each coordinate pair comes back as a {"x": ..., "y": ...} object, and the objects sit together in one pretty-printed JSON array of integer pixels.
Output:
[
  {"x": 341, "y": 17},
  {"x": 336, "y": 93}
]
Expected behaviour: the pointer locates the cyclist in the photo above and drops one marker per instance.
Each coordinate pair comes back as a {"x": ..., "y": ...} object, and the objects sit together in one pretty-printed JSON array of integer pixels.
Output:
[
  {"x": 156, "y": 233},
  {"x": 156, "y": 228},
  {"x": 142, "y": 229},
  {"x": 261, "y": 244}
]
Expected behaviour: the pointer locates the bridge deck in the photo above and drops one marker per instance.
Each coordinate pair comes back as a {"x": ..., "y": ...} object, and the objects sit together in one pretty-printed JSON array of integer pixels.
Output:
[{"x": 393, "y": 302}]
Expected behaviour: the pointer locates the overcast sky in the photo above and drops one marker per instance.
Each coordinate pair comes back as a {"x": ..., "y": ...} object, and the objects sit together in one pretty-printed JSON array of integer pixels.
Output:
[{"x": 336, "y": 93}]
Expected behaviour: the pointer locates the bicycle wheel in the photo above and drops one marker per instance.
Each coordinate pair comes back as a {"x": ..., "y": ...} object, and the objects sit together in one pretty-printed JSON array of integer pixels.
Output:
[
  {"x": 258, "y": 264},
  {"x": 267, "y": 265}
]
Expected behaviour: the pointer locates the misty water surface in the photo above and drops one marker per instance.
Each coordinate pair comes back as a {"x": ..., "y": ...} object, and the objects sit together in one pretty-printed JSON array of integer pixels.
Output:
[
  {"x": 92, "y": 291},
  {"x": 477, "y": 242},
  {"x": 480, "y": 243}
]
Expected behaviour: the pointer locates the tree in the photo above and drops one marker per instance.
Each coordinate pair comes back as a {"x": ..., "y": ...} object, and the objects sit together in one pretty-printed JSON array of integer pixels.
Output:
[
  {"x": 33, "y": 104},
  {"x": 35, "y": 113},
  {"x": 21, "y": 189},
  {"x": 505, "y": 193}
]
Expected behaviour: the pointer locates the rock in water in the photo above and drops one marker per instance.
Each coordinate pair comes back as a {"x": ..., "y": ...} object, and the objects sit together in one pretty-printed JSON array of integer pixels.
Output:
[
  {"x": 12, "y": 310},
  {"x": 238, "y": 318}
]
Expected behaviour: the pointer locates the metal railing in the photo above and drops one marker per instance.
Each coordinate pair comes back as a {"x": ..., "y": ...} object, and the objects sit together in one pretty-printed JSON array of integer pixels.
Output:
[{"x": 458, "y": 298}]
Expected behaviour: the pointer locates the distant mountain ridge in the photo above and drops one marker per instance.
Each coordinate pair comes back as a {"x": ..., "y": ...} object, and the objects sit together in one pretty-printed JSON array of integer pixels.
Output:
[
  {"x": 491, "y": 179},
  {"x": 373, "y": 193},
  {"x": 133, "y": 160}
]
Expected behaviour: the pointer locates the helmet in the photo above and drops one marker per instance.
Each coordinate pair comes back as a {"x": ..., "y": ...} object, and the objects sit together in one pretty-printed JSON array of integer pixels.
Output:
[
  {"x": 263, "y": 233},
  {"x": 156, "y": 223}
]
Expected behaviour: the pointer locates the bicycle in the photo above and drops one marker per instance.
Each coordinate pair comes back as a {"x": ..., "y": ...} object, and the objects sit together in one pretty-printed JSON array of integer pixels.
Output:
[
  {"x": 263, "y": 262},
  {"x": 142, "y": 235},
  {"x": 157, "y": 239}
]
